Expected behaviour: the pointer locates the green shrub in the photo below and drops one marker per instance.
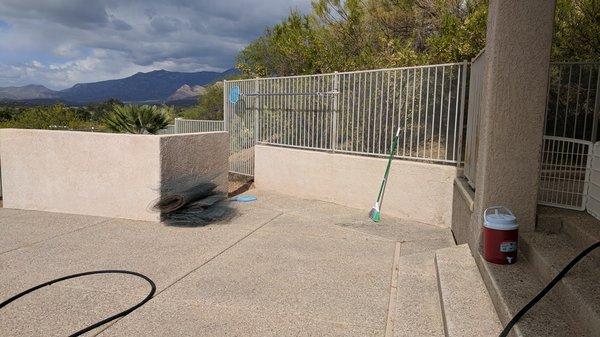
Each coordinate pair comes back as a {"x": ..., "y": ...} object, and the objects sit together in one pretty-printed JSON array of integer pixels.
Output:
[{"x": 137, "y": 119}]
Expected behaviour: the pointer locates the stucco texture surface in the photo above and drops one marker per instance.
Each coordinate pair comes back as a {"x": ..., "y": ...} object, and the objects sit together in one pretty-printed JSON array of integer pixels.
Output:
[
  {"x": 101, "y": 174},
  {"x": 415, "y": 191},
  {"x": 284, "y": 266},
  {"x": 198, "y": 154},
  {"x": 519, "y": 35}
]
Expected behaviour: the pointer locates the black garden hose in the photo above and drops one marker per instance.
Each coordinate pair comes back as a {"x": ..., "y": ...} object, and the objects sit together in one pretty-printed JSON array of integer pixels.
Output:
[
  {"x": 104, "y": 321},
  {"x": 504, "y": 332},
  {"x": 546, "y": 289}
]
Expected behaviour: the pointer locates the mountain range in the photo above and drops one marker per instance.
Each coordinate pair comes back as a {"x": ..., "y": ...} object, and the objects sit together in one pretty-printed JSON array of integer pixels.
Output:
[
  {"x": 153, "y": 87},
  {"x": 186, "y": 93}
]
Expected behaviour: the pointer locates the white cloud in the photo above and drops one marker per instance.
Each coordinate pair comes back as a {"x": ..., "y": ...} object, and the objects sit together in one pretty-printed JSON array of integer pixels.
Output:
[
  {"x": 82, "y": 41},
  {"x": 100, "y": 65}
]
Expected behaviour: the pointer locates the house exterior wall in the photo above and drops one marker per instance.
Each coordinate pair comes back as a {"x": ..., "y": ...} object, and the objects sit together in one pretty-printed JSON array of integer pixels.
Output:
[
  {"x": 112, "y": 175},
  {"x": 417, "y": 191},
  {"x": 593, "y": 201}
]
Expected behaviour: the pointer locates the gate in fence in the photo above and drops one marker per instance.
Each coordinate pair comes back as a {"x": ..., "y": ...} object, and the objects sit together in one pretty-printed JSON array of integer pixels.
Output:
[
  {"x": 352, "y": 112},
  {"x": 564, "y": 176},
  {"x": 571, "y": 128}
]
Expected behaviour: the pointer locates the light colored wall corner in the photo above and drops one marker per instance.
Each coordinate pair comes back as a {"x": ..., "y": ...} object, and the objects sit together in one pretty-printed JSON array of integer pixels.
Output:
[
  {"x": 466, "y": 192},
  {"x": 465, "y": 226},
  {"x": 519, "y": 35},
  {"x": 113, "y": 175},
  {"x": 416, "y": 191},
  {"x": 195, "y": 157}
]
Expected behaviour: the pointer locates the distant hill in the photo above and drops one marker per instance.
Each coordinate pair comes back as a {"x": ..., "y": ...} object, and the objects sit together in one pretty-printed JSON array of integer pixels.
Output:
[
  {"x": 28, "y": 92},
  {"x": 186, "y": 92},
  {"x": 35, "y": 102},
  {"x": 152, "y": 87}
]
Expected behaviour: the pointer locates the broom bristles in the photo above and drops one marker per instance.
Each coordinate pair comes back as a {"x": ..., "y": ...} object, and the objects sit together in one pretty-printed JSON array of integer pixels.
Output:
[{"x": 374, "y": 214}]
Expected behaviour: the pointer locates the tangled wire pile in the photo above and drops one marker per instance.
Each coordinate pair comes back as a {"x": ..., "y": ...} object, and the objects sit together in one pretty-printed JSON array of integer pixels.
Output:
[{"x": 193, "y": 201}]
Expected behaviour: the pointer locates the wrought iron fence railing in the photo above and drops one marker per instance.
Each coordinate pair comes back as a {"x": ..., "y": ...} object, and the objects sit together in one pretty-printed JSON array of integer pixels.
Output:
[
  {"x": 474, "y": 107},
  {"x": 570, "y": 128},
  {"x": 573, "y": 100},
  {"x": 192, "y": 125},
  {"x": 351, "y": 112},
  {"x": 564, "y": 176}
]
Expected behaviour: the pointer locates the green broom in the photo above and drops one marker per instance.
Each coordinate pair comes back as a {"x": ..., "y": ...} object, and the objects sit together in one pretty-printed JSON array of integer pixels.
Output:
[{"x": 375, "y": 213}]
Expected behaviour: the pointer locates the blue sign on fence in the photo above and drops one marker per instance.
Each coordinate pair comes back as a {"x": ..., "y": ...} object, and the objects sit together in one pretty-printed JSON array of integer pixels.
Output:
[{"x": 234, "y": 94}]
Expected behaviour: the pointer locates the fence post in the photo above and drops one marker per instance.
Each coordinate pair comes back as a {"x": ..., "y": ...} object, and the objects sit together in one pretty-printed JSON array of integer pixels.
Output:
[
  {"x": 596, "y": 109},
  {"x": 461, "y": 118},
  {"x": 225, "y": 112},
  {"x": 256, "y": 116},
  {"x": 176, "y": 127},
  {"x": 334, "y": 122}
]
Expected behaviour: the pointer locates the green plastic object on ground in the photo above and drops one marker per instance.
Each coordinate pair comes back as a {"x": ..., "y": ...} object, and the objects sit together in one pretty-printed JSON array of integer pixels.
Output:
[{"x": 375, "y": 213}]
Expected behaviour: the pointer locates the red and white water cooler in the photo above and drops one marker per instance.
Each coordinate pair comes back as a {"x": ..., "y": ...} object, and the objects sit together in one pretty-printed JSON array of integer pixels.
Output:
[{"x": 500, "y": 235}]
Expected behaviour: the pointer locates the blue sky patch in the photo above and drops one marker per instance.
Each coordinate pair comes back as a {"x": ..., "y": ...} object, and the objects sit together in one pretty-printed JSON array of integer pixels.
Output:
[{"x": 4, "y": 25}]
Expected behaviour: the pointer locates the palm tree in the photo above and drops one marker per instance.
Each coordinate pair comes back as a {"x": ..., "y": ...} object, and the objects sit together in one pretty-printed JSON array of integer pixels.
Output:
[{"x": 136, "y": 119}]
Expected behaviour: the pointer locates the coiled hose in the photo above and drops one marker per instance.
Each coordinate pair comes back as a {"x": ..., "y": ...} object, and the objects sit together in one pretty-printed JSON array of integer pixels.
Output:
[
  {"x": 546, "y": 289},
  {"x": 104, "y": 321}
]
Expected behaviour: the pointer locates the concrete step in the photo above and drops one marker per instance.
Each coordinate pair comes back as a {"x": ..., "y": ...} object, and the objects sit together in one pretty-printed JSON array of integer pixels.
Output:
[
  {"x": 579, "y": 291},
  {"x": 581, "y": 228},
  {"x": 418, "y": 308},
  {"x": 513, "y": 286},
  {"x": 466, "y": 305}
]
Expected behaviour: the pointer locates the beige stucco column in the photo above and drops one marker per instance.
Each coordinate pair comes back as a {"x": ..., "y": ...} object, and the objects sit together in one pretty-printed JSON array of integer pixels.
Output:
[{"x": 519, "y": 36}]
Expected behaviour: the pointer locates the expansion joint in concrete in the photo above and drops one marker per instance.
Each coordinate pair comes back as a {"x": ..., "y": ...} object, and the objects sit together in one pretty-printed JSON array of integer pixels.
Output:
[
  {"x": 389, "y": 326},
  {"x": 56, "y": 236},
  {"x": 159, "y": 292}
]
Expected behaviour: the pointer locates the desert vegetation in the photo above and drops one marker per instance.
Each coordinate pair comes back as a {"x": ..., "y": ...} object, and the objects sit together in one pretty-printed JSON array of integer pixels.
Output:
[
  {"x": 345, "y": 35},
  {"x": 138, "y": 119},
  {"x": 352, "y": 35}
]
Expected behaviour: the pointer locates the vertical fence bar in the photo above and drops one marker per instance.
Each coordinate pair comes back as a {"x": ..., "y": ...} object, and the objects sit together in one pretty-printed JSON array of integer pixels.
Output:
[
  {"x": 256, "y": 105},
  {"x": 334, "y": 123},
  {"x": 412, "y": 112},
  {"x": 463, "y": 90},
  {"x": 225, "y": 107},
  {"x": 596, "y": 115},
  {"x": 409, "y": 83}
]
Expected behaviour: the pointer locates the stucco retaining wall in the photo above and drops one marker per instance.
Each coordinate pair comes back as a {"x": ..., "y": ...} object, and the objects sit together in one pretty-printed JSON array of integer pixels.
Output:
[
  {"x": 417, "y": 191},
  {"x": 466, "y": 226},
  {"x": 112, "y": 175}
]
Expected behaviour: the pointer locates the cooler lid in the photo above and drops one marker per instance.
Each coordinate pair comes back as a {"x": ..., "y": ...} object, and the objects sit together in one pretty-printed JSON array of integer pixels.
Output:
[{"x": 500, "y": 218}]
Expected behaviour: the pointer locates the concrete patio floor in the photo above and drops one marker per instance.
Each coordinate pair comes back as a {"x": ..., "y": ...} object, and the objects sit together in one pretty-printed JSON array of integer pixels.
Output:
[{"x": 283, "y": 267}]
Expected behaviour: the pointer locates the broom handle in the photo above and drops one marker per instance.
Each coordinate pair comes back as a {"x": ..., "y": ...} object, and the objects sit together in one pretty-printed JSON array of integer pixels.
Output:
[{"x": 389, "y": 164}]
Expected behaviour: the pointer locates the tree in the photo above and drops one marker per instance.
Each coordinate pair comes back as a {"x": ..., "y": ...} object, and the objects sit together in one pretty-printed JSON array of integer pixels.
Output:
[
  {"x": 136, "y": 119},
  {"x": 58, "y": 116},
  {"x": 459, "y": 36},
  {"x": 366, "y": 34},
  {"x": 290, "y": 47},
  {"x": 210, "y": 104},
  {"x": 576, "y": 31},
  {"x": 96, "y": 112}
]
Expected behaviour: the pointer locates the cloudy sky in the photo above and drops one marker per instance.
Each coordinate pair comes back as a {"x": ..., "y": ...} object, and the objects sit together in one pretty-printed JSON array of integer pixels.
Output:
[{"x": 58, "y": 43}]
